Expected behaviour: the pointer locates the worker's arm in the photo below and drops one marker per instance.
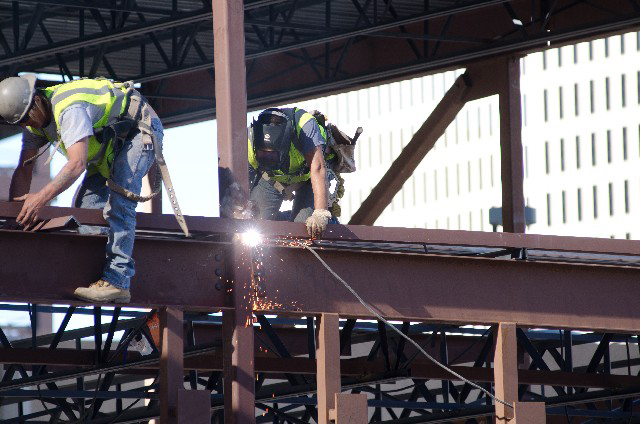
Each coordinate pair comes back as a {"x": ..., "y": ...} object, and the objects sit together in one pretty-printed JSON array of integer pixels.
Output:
[
  {"x": 317, "y": 222},
  {"x": 21, "y": 179},
  {"x": 75, "y": 166},
  {"x": 315, "y": 160}
]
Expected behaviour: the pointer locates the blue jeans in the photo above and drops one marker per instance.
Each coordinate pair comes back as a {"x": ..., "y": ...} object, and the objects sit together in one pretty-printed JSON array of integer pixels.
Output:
[
  {"x": 131, "y": 164},
  {"x": 269, "y": 201}
]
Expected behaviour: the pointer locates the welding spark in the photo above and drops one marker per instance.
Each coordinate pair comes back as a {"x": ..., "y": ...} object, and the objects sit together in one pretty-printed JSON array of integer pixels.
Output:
[{"x": 251, "y": 238}]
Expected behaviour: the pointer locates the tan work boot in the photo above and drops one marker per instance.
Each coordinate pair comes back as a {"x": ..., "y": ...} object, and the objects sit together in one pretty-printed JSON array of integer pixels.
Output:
[{"x": 103, "y": 291}]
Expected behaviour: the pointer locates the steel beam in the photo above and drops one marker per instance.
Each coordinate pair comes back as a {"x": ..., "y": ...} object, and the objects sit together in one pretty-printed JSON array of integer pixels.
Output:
[
  {"x": 169, "y": 272},
  {"x": 457, "y": 289},
  {"x": 225, "y": 228},
  {"x": 512, "y": 161},
  {"x": 239, "y": 380},
  {"x": 505, "y": 369},
  {"x": 230, "y": 88},
  {"x": 171, "y": 364},
  {"x": 328, "y": 354}
]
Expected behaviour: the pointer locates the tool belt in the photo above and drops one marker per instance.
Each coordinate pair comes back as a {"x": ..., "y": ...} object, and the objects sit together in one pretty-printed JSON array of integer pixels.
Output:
[
  {"x": 138, "y": 116},
  {"x": 285, "y": 190}
]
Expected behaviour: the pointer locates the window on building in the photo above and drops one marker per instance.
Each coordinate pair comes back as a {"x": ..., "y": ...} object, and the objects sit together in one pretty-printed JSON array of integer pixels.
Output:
[
  {"x": 593, "y": 149},
  {"x": 470, "y": 221},
  {"x": 548, "y": 209},
  {"x": 546, "y": 157},
  {"x": 623, "y": 87},
  {"x": 480, "y": 173},
  {"x": 469, "y": 176},
  {"x": 627, "y": 236},
  {"x": 638, "y": 40},
  {"x": 624, "y": 143},
  {"x": 595, "y": 202},
  {"x": 606, "y": 47},
  {"x": 491, "y": 118},
  {"x": 626, "y": 196},
  {"x": 577, "y": 152},
  {"x": 579, "y": 204},
  {"x": 622, "y": 44},
  {"x": 562, "y": 154},
  {"x": 424, "y": 180},
  {"x": 575, "y": 53},
  {"x": 546, "y": 112},
  {"x": 611, "y": 199},
  {"x": 564, "y": 207},
  {"x": 458, "y": 179},
  {"x": 435, "y": 184},
  {"x": 576, "y": 105},
  {"x": 524, "y": 112},
  {"x": 638, "y": 84},
  {"x": 607, "y": 101},
  {"x": 590, "y": 50},
  {"x": 480, "y": 120},
  {"x": 544, "y": 59},
  {"x": 459, "y": 222},
  {"x": 560, "y": 108},
  {"x": 609, "y": 158},
  {"x": 526, "y": 161},
  {"x": 481, "y": 220},
  {"x": 559, "y": 57},
  {"x": 591, "y": 97},
  {"x": 491, "y": 168}
]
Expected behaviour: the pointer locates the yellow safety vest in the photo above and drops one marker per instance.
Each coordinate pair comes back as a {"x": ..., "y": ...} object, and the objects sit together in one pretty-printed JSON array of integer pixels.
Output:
[
  {"x": 108, "y": 96},
  {"x": 298, "y": 169}
]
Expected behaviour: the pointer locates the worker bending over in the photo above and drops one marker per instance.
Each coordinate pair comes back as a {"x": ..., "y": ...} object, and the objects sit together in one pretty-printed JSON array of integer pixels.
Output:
[
  {"x": 286, "y": 154},
  {"x": 105, "y": 128}
]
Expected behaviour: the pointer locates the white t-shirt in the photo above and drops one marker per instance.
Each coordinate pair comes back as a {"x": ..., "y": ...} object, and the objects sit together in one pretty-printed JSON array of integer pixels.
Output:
[{"x": 76, "y": 123}]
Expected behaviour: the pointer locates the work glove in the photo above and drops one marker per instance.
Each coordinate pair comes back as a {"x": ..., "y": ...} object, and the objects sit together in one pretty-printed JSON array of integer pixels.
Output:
[{"x": 317, "y": 222}]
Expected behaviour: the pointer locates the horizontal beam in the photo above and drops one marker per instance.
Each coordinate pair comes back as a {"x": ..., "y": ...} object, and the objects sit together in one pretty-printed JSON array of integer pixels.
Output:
[
  {"x": 420, "y": 368},
  {"x": 450, "y": 289},
  {"x": 47, "y": 267},
  {"x": 355, "y": 233}
]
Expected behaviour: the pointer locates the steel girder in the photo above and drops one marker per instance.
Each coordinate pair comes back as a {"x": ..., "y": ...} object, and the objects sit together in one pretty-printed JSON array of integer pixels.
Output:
[
  {"x": 284, "y": 356},
  {"x": 294, "y": 48}
]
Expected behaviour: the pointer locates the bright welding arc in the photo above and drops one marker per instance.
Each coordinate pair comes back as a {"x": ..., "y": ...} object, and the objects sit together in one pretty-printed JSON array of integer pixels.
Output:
[{"x": 410, "y": 340}]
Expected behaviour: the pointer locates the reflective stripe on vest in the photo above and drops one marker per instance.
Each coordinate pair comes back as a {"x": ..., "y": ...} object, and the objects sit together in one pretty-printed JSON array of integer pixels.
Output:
[
  {"x": 296, "y": 172},
  {"x": 101, "y": 93}
]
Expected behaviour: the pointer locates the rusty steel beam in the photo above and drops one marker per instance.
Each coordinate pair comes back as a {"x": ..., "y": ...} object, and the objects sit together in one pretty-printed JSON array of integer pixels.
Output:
[
  {"x": 356, "y": 233},
  {"x": 328, "y": 365},
  {"x": 433, "y": 287},
  {"x": 171, "y": 364},
  {"x": 421, "y": 368},
  {"x": 36, "y": 269},
  {"x": 457, "y": 289},
  {"x": 477, "y": 82},
  {"x": 512, "y": 163},
  {"x": 505, "y": 371}
]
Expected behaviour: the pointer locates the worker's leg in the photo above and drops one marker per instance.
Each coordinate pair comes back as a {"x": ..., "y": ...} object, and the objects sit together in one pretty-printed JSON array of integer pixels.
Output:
[
  {"x": 92, "y": 193},
  {"x": 130, "y": 165},
  {"x": 303, "y": 203},
  {"x": 268, "y": 200}
]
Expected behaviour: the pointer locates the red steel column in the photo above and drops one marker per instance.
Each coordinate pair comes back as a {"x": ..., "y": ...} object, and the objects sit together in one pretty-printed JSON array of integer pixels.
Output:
[
  {"x": 511, "y": 147},
  {"x": 171, "y": 363},
  {"x": 505, "y": 371},
  {"x": 328, "y": 363},
  {"x": 237, "y": 329},
  {"x": 231, "y": 87},
  {"x": 231, "y": 112}
]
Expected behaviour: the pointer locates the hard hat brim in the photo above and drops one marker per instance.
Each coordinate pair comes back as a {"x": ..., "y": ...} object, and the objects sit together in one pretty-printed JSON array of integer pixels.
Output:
[{"x": 31, "y": 80}]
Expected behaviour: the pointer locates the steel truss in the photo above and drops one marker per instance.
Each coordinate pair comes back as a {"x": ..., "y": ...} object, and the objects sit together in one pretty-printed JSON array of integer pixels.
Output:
[
  {"x": 577, "y": 374},
  {"x": 294, "y": 48}
]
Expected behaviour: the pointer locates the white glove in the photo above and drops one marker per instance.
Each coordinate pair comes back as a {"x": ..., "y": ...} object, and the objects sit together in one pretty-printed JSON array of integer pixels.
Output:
[{"x": 317, "y": 222}]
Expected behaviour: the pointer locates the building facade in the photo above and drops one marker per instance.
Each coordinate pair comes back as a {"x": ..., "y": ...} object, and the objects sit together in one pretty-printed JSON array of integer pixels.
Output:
[{"x": 581, "y": 145}]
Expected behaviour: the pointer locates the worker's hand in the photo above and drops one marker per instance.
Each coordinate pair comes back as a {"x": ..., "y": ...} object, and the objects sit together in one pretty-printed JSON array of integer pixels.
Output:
[
  {"x": 30, "y": 212},
  {"x": 317, "y": 222}
]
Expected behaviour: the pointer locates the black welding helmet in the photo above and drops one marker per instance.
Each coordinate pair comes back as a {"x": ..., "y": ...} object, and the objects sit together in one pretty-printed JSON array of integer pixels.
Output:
[{"x": 272, "y": 136}]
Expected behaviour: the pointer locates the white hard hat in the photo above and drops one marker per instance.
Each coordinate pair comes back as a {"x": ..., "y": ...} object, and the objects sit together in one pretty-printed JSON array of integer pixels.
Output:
[{"x": 16, "y": 97}]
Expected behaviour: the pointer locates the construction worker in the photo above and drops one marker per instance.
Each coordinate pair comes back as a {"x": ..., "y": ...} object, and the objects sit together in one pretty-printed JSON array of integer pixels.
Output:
[
  {"x": 105, "y": 128},
  {"x": 286, "y": 158}
]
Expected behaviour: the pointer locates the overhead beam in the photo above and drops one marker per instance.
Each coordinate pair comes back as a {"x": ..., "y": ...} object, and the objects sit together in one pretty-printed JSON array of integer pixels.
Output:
[{"x": 477, "y": 81}]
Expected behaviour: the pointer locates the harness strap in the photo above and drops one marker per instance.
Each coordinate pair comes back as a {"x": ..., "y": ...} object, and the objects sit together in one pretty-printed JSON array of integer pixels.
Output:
[
  {"x": 285, "y": 189},
  {"x": 140, "y": 111}
]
